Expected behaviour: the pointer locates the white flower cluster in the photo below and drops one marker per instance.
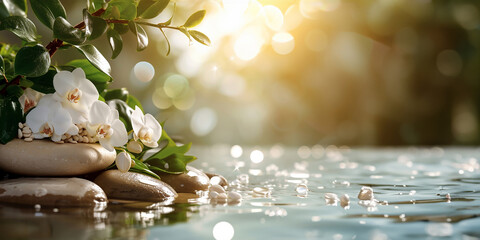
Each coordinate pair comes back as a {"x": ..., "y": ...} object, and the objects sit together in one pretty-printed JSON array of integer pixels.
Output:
[{"x": 75, "y": 103}]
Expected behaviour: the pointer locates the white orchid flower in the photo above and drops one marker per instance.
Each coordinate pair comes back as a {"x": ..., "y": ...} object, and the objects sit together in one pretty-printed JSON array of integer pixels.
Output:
[
  {"x": 105, "y": 125},
  {"x": 50, "y": 119},
  {"x": 75, "y": 92},
  {"x": 146, "y": 128},
  {"x": 29, "y": 99}
]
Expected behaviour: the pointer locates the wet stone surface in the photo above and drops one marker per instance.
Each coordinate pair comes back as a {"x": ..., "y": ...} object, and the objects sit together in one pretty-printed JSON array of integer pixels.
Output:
[
  {"x": 58, "y": 192},
  {"x": 190, "y": 182},
  {"x": 134, "y": 186},
  {"x": 46, "y": 158}
]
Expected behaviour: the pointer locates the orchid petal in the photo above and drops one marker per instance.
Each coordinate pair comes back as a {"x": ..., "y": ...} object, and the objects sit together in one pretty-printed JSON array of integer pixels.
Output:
[
  {"x": 153, "y": 124},
  {"x": 60, "y": 120},
  {"x": 63, "y": 82},
  {"x": 78, "y": 73},
  {"x": 120, "y": 136},
  {"x": 36, "y": 118},
  {"x": 106, "y": 144},
  {"x": 150, "y": 144},
  {"x": 137, "y": 120},
  {"x": 99, "y": 112}
]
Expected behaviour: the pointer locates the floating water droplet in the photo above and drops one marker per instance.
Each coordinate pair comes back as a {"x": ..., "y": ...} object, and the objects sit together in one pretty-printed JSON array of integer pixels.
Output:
[
  {"x": 345, "y": 201},
  {"x": 366, "y": 193},
  {"x": 262, "y": 191},
  {"x": 302, "y": 189},
  {"x": 243, "y": 179},
  {"x": 331, "y": 199}
]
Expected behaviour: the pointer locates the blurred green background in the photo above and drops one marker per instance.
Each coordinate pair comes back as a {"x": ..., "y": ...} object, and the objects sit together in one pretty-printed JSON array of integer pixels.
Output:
[{"x": 304, "y": 72}]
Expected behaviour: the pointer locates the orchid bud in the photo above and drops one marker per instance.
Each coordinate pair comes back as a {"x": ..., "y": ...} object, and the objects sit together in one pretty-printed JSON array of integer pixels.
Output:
[
  {"x": 123, "y": 161},
  {"x": 134, "y": 147}
]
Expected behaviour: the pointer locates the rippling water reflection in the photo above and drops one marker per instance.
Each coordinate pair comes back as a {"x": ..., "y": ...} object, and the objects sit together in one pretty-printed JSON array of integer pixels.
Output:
[{"x": 418, "y": 193}]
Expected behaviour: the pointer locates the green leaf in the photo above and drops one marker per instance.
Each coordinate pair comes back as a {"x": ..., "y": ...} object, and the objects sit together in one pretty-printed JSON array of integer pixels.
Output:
[
  {"x": 32, "y": 61},
  {"x": 121, "y": 28},
  {"x": 115, "y": 41},
  {"x": 185, "y": 31},
  {"x": 125, "y": 9},
  {"x": 94, "y": 26},
  {"x": 168, "y": 42},
  {"x": 195, "y": 19},
  {"x": 95, "y": 57},
  {"x": 142, "y": 38},
  {"x": 200, "y": 37},
  {"x": 148, "y": 9},
  {"x": 14, "y": 91},
  {"x": 2, "y": 67},
  {"x": 10, "y": 114},
  {"x": 119, "y": 93},
  {"x": 132, "y": 102},
  {"x": 48, "y": 10},
  {"x": 64, "y": 31},
  {"x": 140, "y": 167},
  {"x": 13, "y": 8},
  {"x": 170, "y": 150},
  {"x": 99, "y": 78},
  {"x": 94, "y": 5},
  {"x": 25, "y": 83},
  {"x": 124, "y": 112},
  {"x": 20, "y": 26},
  {"x": 44, "y": 83}
]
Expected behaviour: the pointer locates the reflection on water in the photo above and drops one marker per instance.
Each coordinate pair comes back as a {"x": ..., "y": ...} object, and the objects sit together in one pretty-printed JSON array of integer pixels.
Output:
[{"x": 305, "y": 193}]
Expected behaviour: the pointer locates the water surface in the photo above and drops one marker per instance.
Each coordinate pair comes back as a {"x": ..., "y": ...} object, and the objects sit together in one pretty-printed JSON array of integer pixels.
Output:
[{"x": 421, "y": 193}]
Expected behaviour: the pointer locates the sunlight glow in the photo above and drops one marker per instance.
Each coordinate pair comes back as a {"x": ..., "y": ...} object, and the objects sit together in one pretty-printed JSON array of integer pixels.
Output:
[
  {"x": 249, "y": 44},
  {"x": 273, "y": 17},
  {"x": 283, "y": 43},
  {"x": 223, "y": 231}
]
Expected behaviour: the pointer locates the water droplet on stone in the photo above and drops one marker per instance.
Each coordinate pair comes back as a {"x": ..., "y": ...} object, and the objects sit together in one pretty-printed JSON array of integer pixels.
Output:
[{"x": 263, "y": 191}]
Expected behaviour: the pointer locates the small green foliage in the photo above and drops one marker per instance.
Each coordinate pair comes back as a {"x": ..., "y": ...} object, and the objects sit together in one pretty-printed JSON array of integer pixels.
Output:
[
  {"x": 44, "y": 83},
  {"x": 10, "y": 114},
  {"x": 142, "y": 38},
  {"x": 195, "y": 19},
  {"x": 119, "y": 93},
  {"x": 48, "y": 10},
  {"x": 148, "y": 9},
  {"x": 95, "y": 58},
  {"x": 32, "y": 61},
  {"x": 13, "y": 8},
  {"x": 200, "y": 37},
  {"x": 20, "y": 26},
  {"x": 115, "y": 41},
  {"x": 94, "y": 5},
  {"x": 94, "y": 26},
  {"x": 121, "y": 9},
  {"x": 64, "y": 31},
  {"x": 97, "y": 77}
]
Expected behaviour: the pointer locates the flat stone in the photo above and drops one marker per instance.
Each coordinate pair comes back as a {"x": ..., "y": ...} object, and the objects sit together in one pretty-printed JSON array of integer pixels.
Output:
[
  {"x": 56, "y": 192},
  {"x": 46, "y": 158},
  {"x": 189, "y": 182},
  {"x": 134, "y": 186},
  {"x": 217, "y": 179}
]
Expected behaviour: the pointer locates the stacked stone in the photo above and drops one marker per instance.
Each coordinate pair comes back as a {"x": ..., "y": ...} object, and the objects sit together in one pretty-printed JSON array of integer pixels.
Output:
[{"x": 45, "y": 165}]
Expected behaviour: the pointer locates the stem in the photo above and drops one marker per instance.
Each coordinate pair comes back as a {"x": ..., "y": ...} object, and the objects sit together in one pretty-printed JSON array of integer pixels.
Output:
[
  {"x": 159, "y": 26},
  {"x": 56, "y": 43},
  {"x": 15, "y": 81}
]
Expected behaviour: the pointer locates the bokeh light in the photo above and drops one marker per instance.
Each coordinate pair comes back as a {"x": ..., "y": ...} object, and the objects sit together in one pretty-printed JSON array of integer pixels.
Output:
[
  {"x": 236, "y": 151},
  {"x": 223, "y": 231},
  {"x": 203, "y": 121},
  {"x": 144, "y": 71},
  {"x": 256, "y": 156},
  {"x": 283, "y": 43}
]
